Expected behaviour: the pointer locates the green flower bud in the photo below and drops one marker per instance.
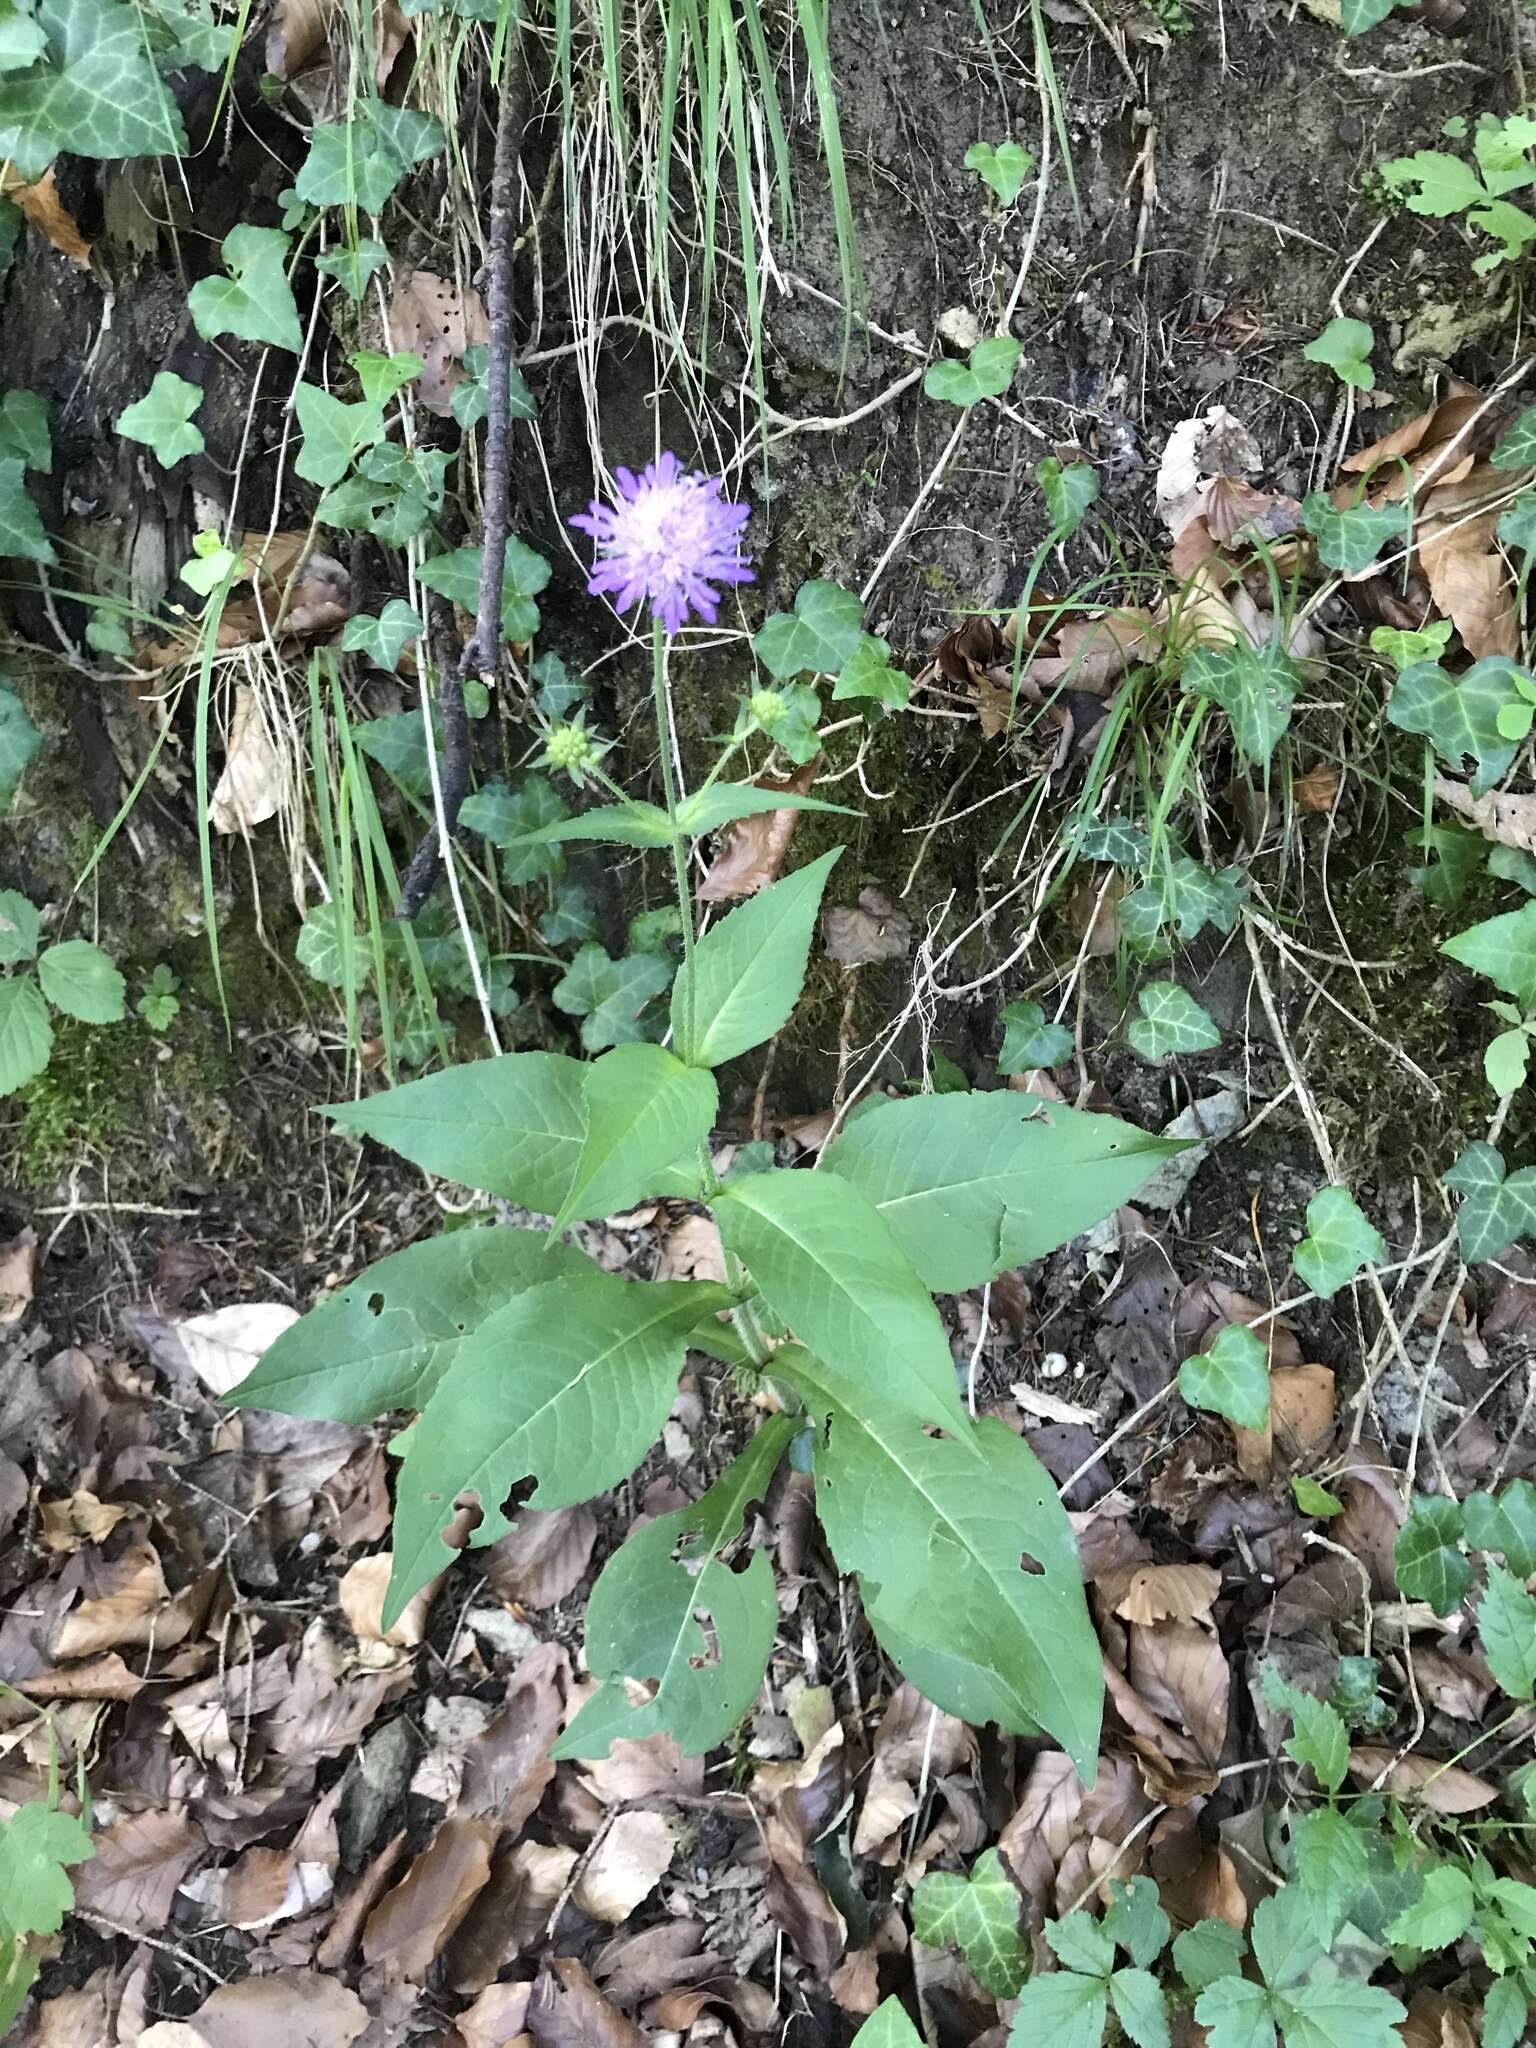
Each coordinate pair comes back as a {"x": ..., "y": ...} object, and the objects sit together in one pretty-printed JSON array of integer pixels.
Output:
[{"x": 768, "y": 708}]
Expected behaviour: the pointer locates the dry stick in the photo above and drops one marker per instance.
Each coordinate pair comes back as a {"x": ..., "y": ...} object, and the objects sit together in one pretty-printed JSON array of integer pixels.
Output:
[{"x": 481, "y": 655}]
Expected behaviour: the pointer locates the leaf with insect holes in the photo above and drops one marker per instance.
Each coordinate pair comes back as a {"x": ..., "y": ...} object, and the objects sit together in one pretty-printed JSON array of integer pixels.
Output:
[
  {"x": 1136, "y": 1921},
  {"x": 1495, "y": 1209},
  {"x": 1208, "y": 1951},
  {"x": 359, "y": 162},
  {"x": 1002, "y": 165},
  {"x": 1068, "y": 489},
  {"x": 643, "y": 1618},
  {"x": 1170, "y": 1021},
  {"x": 19, "y": 741},
  {"x": 383, "y": 639},
  {"x": 830, "y": 1268},
  {"x": 1427, "y": 1559},
  {"x": 609, "y": 996},
  {"x": 1345, "y": 347},
  {"x": 1442, "y": 1913},
  {"x": 255, "y": 302},
  {"x": 456, "y": 576},
  {"x": 162, "y": 419},
  {"x": 18, "y": 928},
  {"x": 387, "y": 1338},
  {"x": 334, "y": 433},
  {"x": 1505, "y": 1523},
  {"x": 1231, "y": 1379},
  {"x": 645, "y": 1110},
  {"x": 981, "y": 1915},
  {"x": 1516, "y": 446},
  {"x": 743, "y": 979},
  {"x": 1349, "y": 538},
  {"x": 1331, "y": 1867},
  {"x": 967, "y": 1562},
  {"x": 597, "y": 1363},
  {"x": 974, "y": 1184},
  {"x": 1503, "y": 949},
  {"x": 1255, "y": 686},
  {"x": 1506, "y": 1630},
  {"x": 26, "y": 1036},
  {"x": 79, "y": 979},
  {"x": 94, "y": 91},
  {"x": 1029, "y": 1041},
  {"x": 868, "y": 673},
  {"x": 21, "y": 526},
  {"x": 1459, "y": 715},
  {"x": 37, "y": 1845},
  {"x": 353, "y": 265},
  {"x": 1339, "y": 1243},
  {"x": 987, "y": 374},
  {"x": 817, "y": 637},
  {"x": 1319, "y": 1736}
]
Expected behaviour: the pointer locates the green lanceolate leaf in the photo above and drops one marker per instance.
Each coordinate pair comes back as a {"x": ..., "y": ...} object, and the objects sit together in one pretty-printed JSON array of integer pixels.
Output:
[
  {"x": 1496, "y": 1207},
  {"x": 512, "y": 1125},
  {"x": 456, "y": 576},
  {"x": 162, "y": 419},
  {"x": 966, "y": 1559},
  {"x": 1062, "y": 2008},
  {"x": 981, "y": 1915},
  {"x": 987, "y": 374},
  {"x": 1209, "y": 1950},
  {"x": 974, "y": 1184},
  {"x": 1505, "y": 1523},
  {"x": 1459, "y": 715},
  {"x": 1442, "y": 1913},
  {"x": 744, "y": 978},
  {"x": 1068, "y": 489},
  {"x": 1255, "y": 686},
  {"x": 569, "y": 1384},
  {"x": 21, "y": 525},
  {"x": 1338, "y": 1244},
  {"x": 888, "y": 2027},
  {"x": 1427, "y": 1558},
  {"x": 613, "y": 997},
  {"x": 1350, "y": 537},
  {"x": 386, "y": 1339},
  {"x": 828, "y": 1264},
  {"x": 26, "y": 1036},
  {"x": 385, "y": 638},
  {"x": 79, "y": 979},
  {"x": 816, "y": 638},
  {"x": 1003, "y": 165},
  {"x": 19, "y": 741},
  {"x": 1171, "y": 1021},
  {"x": 643, "y": 1619},
  {"x": 708, "y": 809},
  {"x": 1029, "y": 1041},
  {"x": 95, "y": 91},
  {"x": 1231, "y": 1379},
  {"x": 1502, "y": 948},
  {"x": 1345, "y": 346},
  {"x": 255, "y": 302},
  {"x": 1506, "y": 1629},
  {"x": 645, "y": 1110},
  {"x": 633, "y": 824}
]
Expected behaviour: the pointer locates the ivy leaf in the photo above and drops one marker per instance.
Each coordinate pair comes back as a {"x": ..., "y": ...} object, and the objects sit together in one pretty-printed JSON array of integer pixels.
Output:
[
  {"x": 1140, "y": 2007},
  {"x": 1338, "y": 1244},
  {"x": 597, "y": 1367},
  {"x": 868, "y": 673},
  {"x": 972, "y": 1185},
  {"x": 1402, "y": 649},
  {"x": 1506, "y": 1524},
  {"x": 828, "y": 1265},
  {"x": 24, "y": 429},
  {"x": 457, "y": 577},
  {"x": 387, "y": 1338},
  {"x": 385, "y": 638},
  {"x": 1136, "y": 1921},
  {"x": 1427, "y": 1558},
  {"x": 744, "y": 978},
  {"x": 1254, "y": 686},
  {"x": 511, "y": 1125},
  {"x": 981, "y": 1916},
  {"x": 1345, "y": 345},
  {"x": 1063, "y": 2008},
  {"x": 517, "y": 821},
  {"x": 1502, "y": 948},
  {"x": 1459, "y": 715},
  {"x": 1331, "y": 1867},
  {"x": 1349, "y": 538},
  {"x": 1506, "y": 1628},
  {"x": 822, "y": 632},
  {"x": 162, "y": 419},
  {"x": 987, "y": 374},
  {"x": 1003, "y": 165},
  {"x": 573, "y": 917},
  {"x": 1516, "y": 446},
  {"x": 21, "y": 527},
  {"x": 1517, "y": 529},
  {"x": 383, "y": 377},
  {"x": 37, "y": 1844},
  {"x": 643, "y": 1618},
  {"x": 939, "y": 1532},
  {"x": 1208, "y": 1951},
  {"x": 1455, "y": 855},
  {"x": 1185, "y": 895},
  {"x": 360, "y": 162},
  {"x": 1113, "y": 839},
  {"x": 469, "y": 401},
  {"x": 19, "y": 741},
  {"x": 557, "y": 693},
  {"x": 328, "y": 949},
  {"x": 1495, "y": 1210},
  {"x": 1068, "y": 489},
  {"x": 79, "y": 979},
  {"x": 1441, "y": 1915},
  {"x": 1231, "y": 1379},
  {"x": 609, "y": 995},
  {"x": 95, "y": 92},
  {"x": 334, "y": 432},
  {"x": 1030, "y": 1042},
  {"x": 888, "y": 2027},
  {"x": 255, "y": 302},
  {"x": 26, "y": 1036},
  {"x": 645, "y": 1110},
  {"x": 1171, "y": 1021},
  {"x": 353, "y": 265}
]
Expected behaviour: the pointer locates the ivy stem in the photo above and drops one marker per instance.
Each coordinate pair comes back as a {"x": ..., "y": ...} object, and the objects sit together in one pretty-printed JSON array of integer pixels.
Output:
[{"x": 669, "y": 787}]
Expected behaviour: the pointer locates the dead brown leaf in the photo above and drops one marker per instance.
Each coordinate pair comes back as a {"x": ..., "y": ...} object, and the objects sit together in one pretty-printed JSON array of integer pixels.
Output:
[
  {"x": 879, "y": 929},
  {"x": 1505, "y": 819},
  {"x": 510, "y": 1915},
  {"x": 568, "y": 2011},
  {"x": 1169, "y": 1592},
  {"x": 1034, "y": 1841},
  {"x": 1179, "y": 1669},
  {"x": 360, "y": 1596},
  {"x": 753, "y": 849},
  {"x": 257, "y": 770},
  {"x": 498, "y": 2017},
  {"x": 650, "y": 1769},
  {"x": 1444, "y": 1788},
  {"x": 138, "y": 1863},
  {"x": 1459, "y": 1686},
  {"x": 1092, "y": 654},
  {"x": 629, "y": 1860},
  {"x": 411, "y": 1925},
  {"x": 1472, "y": 585},
  {"x": 543, "y": 1557},
  {"x": 910, "y": 1731},
  {"x": 40, "y": 204},
  {"x": 218, "y": 1349},
  {"x": 67, "y": 1524},
  {"x": 507, "y": 1767},
  {"x": 654, "y": 1959},
  {"x": 432, "y": 318},
  {"x": 1318, "y": 789},
  {"x": 691, "y": 1250},
  {"x": 125, "y": 1608},
  {"x": 1435, "y": 2022},
  {"x": 18, "y": 1275},
  {"x": 296, "y": 32},
  {"x": 300, "y": 2008},
  {"x": 1426, "y": 440}
]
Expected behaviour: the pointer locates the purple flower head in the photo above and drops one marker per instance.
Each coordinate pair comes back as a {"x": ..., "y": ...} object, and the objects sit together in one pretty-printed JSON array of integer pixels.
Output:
[{"x": 670, "y": 538}]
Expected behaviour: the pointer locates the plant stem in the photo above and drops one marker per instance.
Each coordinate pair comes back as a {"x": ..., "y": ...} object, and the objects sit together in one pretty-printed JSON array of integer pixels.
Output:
[{"x": 669, "y": 787}]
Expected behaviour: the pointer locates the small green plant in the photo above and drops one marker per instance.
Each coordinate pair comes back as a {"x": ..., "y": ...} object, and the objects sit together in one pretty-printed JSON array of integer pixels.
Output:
[
  {"x": 1345, "y": 346},
  {"x": 1004, "y": 166},
  {"x": 38, "y": 1845},
  {"x": 73, "y": 976},
  {"x": 160, "y": 1005},
  {"x": 1437, "y": 184},
  {"x": 987, "y": 373}
]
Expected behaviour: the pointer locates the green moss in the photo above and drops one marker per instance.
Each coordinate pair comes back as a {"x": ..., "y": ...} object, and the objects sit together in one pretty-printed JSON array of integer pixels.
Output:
[{"x": 92, "y": 1091}]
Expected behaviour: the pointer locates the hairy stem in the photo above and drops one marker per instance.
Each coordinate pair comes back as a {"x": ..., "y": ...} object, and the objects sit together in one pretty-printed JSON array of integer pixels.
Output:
[{"x": 669, "y": 787}]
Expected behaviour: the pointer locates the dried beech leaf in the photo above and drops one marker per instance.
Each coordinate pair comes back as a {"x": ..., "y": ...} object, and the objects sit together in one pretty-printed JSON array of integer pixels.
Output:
[
  {"x": 568, "y": 2011},
  {"x": 257, "y": 769},
  {"x": 543, "y": 1557},
  {"x": 430, "y": 317},
  {"x": 361, "y": 1599},
  {"x": 40, "y": 204},
  {"x": 879, "y": 929},
  {"x": 626, "y": 1866},
  {"x": 753, "y": 849},
  {"x": 1169, "y": 1592},
  {"x": 1444, "y": 1788},
  {"x": 411, "y": 1925},
  {"x": 139, "y": 1861}
]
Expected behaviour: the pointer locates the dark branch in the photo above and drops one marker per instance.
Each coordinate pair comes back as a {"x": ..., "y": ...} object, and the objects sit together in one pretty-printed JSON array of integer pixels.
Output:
[{"x": 482, "y": 653}]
